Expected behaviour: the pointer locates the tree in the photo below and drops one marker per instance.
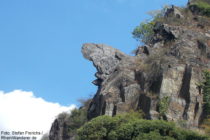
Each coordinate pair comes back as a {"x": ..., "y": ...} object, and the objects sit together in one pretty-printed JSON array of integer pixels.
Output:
[
  {"x": 201, "y": 7},
  {"x": 206, "y": 92},
  {"x": 206, "y": 98},
  {"x": 131, "y": 127},
  {"x": 144, "y": 32}
]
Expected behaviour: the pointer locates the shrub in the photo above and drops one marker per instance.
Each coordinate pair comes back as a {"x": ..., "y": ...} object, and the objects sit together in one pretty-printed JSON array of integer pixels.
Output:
[
  {"x": 144, "y": 32},
  {"x": 201, "y": 7},
  {"x": 77, "y": 118},
  {"x": 206, "y": 92},
  {"x": 131, "y": 127},
  {"x": 163, "y": 106},
  {"x": 194, "y": 1},
  {"x": 105, "y": 127},
  {"x": 206, "y": 98},
  {"x": 206, "y": 126},
  {"x": 153, "y": 136}
]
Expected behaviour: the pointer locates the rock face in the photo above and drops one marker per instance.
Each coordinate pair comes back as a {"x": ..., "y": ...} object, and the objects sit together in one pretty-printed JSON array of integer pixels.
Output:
[
  {"x": 59, "y": 129},
  {"x": 173, "y": 12},
  {"x": 104, "y": 58},
  {"x": 167, "y": 71},
  {"x": 170, "y": 67}
]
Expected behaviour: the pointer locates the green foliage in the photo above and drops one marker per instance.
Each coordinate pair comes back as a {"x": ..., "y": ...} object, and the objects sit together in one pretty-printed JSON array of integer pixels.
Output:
[
  {"x": 132, "y": 127},
  {"x": 206, "y": 92},
  {"x": 158, "y": 15},
  {"x": 202, "y": 6},
  {"x": 205, "y": 85},
  {"x": 77, "y": 118},
  {"x": 153, "y": 136},
  {"x": 105, "y": 127},
  {"x": 163, "y": 106},
  {"x": 182, "y": 123},
  {"x": 97, "y": 128},
  {"x": 206, "y": 126},
  {"x": 193, "y": 1},
  {"x": 144, "y": 32}
]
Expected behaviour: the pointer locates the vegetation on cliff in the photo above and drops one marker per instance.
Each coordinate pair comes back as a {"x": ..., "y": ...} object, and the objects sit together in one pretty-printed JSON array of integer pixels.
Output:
[
  {"x": 69, "y": 123},
  {"x": 201, "y": 7},
  {"x": 206, "y": 92},
  {"x": 206, "y": 98},
  {"x": 132, "y": 127},
  {"x": 144, "y": 32},
  {"x": 163, "y": 106}
]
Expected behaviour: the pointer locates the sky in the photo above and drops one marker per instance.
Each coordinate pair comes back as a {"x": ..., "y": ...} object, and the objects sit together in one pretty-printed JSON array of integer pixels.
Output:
[{"x": 41, "y": 40}]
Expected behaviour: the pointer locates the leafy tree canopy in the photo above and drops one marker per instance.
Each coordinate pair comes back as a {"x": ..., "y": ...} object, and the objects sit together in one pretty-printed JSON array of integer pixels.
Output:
[{"x": 132, "y": 127}]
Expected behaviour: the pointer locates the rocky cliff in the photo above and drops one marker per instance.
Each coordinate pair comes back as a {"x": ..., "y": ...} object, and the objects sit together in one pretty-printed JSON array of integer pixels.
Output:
[
  {"x": 170, "y": 67},
  {"x": 163, "y": 77}
]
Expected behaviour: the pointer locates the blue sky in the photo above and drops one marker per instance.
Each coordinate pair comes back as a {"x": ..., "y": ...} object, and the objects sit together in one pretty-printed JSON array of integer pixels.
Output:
[{"x": 40, "y": 42}]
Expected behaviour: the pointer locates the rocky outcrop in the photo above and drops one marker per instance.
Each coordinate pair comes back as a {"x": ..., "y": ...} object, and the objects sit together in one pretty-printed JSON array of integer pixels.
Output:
[
  {"x": 59, "y": 128},
  {"x": 173, "y": 12},
  {"x": 170, "y": 67},
  {"x": 104, "y": 58},
  {"x": 167, "y": 71}
]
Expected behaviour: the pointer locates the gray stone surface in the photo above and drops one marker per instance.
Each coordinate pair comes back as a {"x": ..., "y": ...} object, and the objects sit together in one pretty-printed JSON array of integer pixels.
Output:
[
  {"x": 157, "y": 71},
  {"x": 173, "y": 12},
  {"x": 104, "y": 58}
]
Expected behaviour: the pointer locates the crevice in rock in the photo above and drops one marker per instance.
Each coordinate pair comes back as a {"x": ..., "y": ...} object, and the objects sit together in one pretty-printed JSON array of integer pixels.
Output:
[
  {"x": 146, "y": 50},
  {"x": 202, "y": 117},
  {"x": 122, "y": 93},
  {"x": 139, "y": 77},
  {"x": 185, "y": 89},
  {"x": 175, "y": 52},
  {"x": 104, "y": 108},
  {"x": 163, "y": 33},
  {"x": 145, "y": 104},
  {"x": 168, "y": 35},
  {"x": 95, "y": 108},
  {"x": 196, "y": 110},
  {"x": 208, "y": 55},
  {"x": 185, "y": 115},
  {"x": 97, "y": 82},
  {"x": 156, "y": 84},
  {"x": 154, "y": 78},
  {"x": 202, "y": 47},
  {"x": 114, "y": 110},
  {"x": 65, "y": 132},
  {"x": 118, "y": 58}
]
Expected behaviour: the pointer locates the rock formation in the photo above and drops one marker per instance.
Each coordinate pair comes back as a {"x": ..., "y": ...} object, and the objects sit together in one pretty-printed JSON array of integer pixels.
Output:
[
  {"x": 167, "y": 70},
  {"x": 59, "y": 128},
  {"x": 169, "y": 67}
]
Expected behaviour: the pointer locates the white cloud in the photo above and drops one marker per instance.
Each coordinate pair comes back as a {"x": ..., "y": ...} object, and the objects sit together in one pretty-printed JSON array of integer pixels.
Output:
[{"x": 22, "y": 111}]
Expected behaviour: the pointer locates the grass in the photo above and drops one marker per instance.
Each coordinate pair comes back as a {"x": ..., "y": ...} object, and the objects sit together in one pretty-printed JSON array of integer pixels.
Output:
[{"x": 203, "y": 7}]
